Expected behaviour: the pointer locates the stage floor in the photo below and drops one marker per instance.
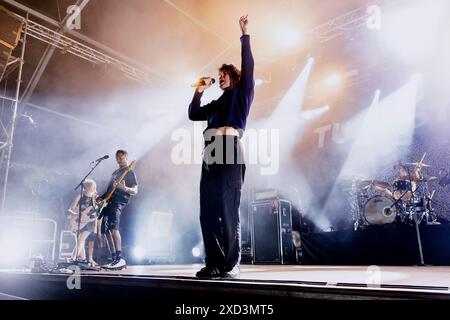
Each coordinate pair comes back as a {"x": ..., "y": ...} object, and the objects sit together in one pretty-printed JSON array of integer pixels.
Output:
[
  {"x": 436, "y": 278},
  {"x": 295, "y": 281}
]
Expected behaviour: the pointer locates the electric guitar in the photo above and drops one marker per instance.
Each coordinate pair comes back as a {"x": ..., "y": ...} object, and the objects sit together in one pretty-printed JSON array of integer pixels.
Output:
[
  {"x": 85, "y": 218},
  {"x": 102, "y": 204}
]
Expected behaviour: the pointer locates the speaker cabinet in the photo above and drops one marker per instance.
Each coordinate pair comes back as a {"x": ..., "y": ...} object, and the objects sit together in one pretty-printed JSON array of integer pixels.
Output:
[{"x": 271, "y": 232}]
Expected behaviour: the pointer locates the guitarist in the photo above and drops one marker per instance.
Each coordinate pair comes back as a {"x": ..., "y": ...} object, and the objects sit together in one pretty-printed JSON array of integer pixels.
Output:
[
  {"x": 111, "y": 213},
  {"x": 88, "y": 221}
]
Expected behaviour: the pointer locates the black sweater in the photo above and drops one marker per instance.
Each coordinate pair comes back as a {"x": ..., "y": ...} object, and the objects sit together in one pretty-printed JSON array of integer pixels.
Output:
[{"x": 233, "y": 106}]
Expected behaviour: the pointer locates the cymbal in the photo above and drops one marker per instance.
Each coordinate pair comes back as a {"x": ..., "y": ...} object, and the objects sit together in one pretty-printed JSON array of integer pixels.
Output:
[
  {"x": 381, "y": 184},
  {"x": 417, "y": 164},
  {"x": 373, "y": 184},
  {"x": 364, "y": 184},
  {"x": 428, "y": 179}
]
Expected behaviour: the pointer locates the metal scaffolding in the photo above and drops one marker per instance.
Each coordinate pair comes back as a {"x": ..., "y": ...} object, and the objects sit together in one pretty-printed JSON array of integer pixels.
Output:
[
  {"x": 7, "y": 145},
  {"x": 80, "y": 50},
  {"x": 332, "y": 29},
  {"x": 340, "y": 25},
  {"x": 55, "y": 40}
]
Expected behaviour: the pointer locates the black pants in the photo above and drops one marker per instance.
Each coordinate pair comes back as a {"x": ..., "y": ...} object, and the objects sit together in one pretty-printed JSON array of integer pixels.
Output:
[
  {"x": 111, "y": 217},
  {"x": 220, "y": 196}
]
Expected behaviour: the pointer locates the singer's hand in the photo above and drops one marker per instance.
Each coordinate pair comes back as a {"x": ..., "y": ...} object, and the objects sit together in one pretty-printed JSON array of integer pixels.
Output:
[
  {"x": 208, "y": 84},
  {"x": 243, "y": 22}
]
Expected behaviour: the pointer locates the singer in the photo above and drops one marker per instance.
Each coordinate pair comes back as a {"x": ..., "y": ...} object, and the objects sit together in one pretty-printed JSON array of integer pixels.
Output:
[
  {"x": 111, "y": 213},
  {"x": 221, "y": 181}
]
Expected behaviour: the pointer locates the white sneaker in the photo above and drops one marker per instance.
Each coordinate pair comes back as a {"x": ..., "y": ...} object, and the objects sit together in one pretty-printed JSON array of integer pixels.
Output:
[
  {"x": 117, "y": 265},
  {"x": 92, "y": 263},
  {"x": 106, "y": 266}
]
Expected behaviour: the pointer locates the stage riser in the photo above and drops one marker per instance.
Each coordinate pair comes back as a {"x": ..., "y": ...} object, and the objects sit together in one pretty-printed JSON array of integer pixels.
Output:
[{"x": 379, "y": 245}]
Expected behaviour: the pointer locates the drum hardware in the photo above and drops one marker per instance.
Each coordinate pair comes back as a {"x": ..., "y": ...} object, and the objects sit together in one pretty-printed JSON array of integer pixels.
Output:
[
  {"x": 419, "y": 207},
  {"x": 356, "y": 190}
]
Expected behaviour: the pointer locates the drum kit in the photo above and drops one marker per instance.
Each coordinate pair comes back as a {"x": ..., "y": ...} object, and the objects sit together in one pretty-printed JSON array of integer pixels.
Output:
[{"x": 407, "y": 200}]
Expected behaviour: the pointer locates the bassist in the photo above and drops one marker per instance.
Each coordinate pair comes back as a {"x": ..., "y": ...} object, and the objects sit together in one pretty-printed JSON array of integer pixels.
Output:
[{"x": 111, "y": 213}]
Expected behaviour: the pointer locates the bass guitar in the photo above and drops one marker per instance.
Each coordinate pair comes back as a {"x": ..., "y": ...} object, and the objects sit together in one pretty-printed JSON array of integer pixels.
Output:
[{"x": 103, "y": 202}]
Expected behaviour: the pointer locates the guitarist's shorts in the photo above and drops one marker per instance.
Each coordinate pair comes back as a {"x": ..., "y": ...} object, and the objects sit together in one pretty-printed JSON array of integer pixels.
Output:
[{"x": 111, "y": 217}]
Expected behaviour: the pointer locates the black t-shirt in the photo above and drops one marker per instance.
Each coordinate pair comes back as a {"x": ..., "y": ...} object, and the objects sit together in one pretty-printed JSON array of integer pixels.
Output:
[
  {"x": 86, "y": 202},
  {"x": 120, "y": 196}
]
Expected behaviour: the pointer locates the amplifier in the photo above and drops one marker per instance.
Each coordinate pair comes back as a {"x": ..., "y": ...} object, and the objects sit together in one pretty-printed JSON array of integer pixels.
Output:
[
  {"x": 271, "y": 232},
  {"x": 67, "y": 244},
  {"x": 267, "y": 194}
]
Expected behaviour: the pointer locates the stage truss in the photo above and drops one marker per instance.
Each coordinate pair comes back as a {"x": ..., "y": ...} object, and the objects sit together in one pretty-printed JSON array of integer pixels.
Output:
[
  {"x": 332, "y": 29},
  {"x": 67, "y": 45}
]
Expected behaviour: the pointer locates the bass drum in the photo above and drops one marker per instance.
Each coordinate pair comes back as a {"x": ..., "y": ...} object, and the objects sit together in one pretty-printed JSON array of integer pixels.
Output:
[{"x": 380, "y": 210}]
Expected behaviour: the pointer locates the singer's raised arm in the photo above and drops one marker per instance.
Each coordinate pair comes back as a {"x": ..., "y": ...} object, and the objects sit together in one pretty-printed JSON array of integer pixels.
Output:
[
  {"x": 248, "y": 64},
  {"x": 247, "y": 81}
]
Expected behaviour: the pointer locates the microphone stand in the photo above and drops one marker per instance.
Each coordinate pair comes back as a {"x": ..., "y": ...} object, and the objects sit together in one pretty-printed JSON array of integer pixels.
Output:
[
  {"x": 416, "y": 220},
  {"x": 419, "y": 242},
  {"x": 81, "y": 264}
]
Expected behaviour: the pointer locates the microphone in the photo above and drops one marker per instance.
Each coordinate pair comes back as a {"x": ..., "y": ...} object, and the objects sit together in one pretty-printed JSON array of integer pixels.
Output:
[
  {"x": 101, "y": 159},
  {"x": 203, "y": 82}
]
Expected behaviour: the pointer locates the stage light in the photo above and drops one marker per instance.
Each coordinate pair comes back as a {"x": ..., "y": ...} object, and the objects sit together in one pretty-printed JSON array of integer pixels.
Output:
[
  {"x": 196, "y": 252},
  {"x": 286, "y": 36},
  {"x": 259, "y": 82},
  {"x": 292, "y": 102},
  {"x": 139, "y": 252},
  {"x": 386, "y": 129},
  {"x": 333, "y": 80},
  {"x": 314, "y": 114},
  {"x": 289, "y": 111}
]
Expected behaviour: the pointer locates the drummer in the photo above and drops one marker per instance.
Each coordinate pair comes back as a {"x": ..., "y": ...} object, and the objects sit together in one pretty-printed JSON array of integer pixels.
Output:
[{"x": 405, "y": 181}]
